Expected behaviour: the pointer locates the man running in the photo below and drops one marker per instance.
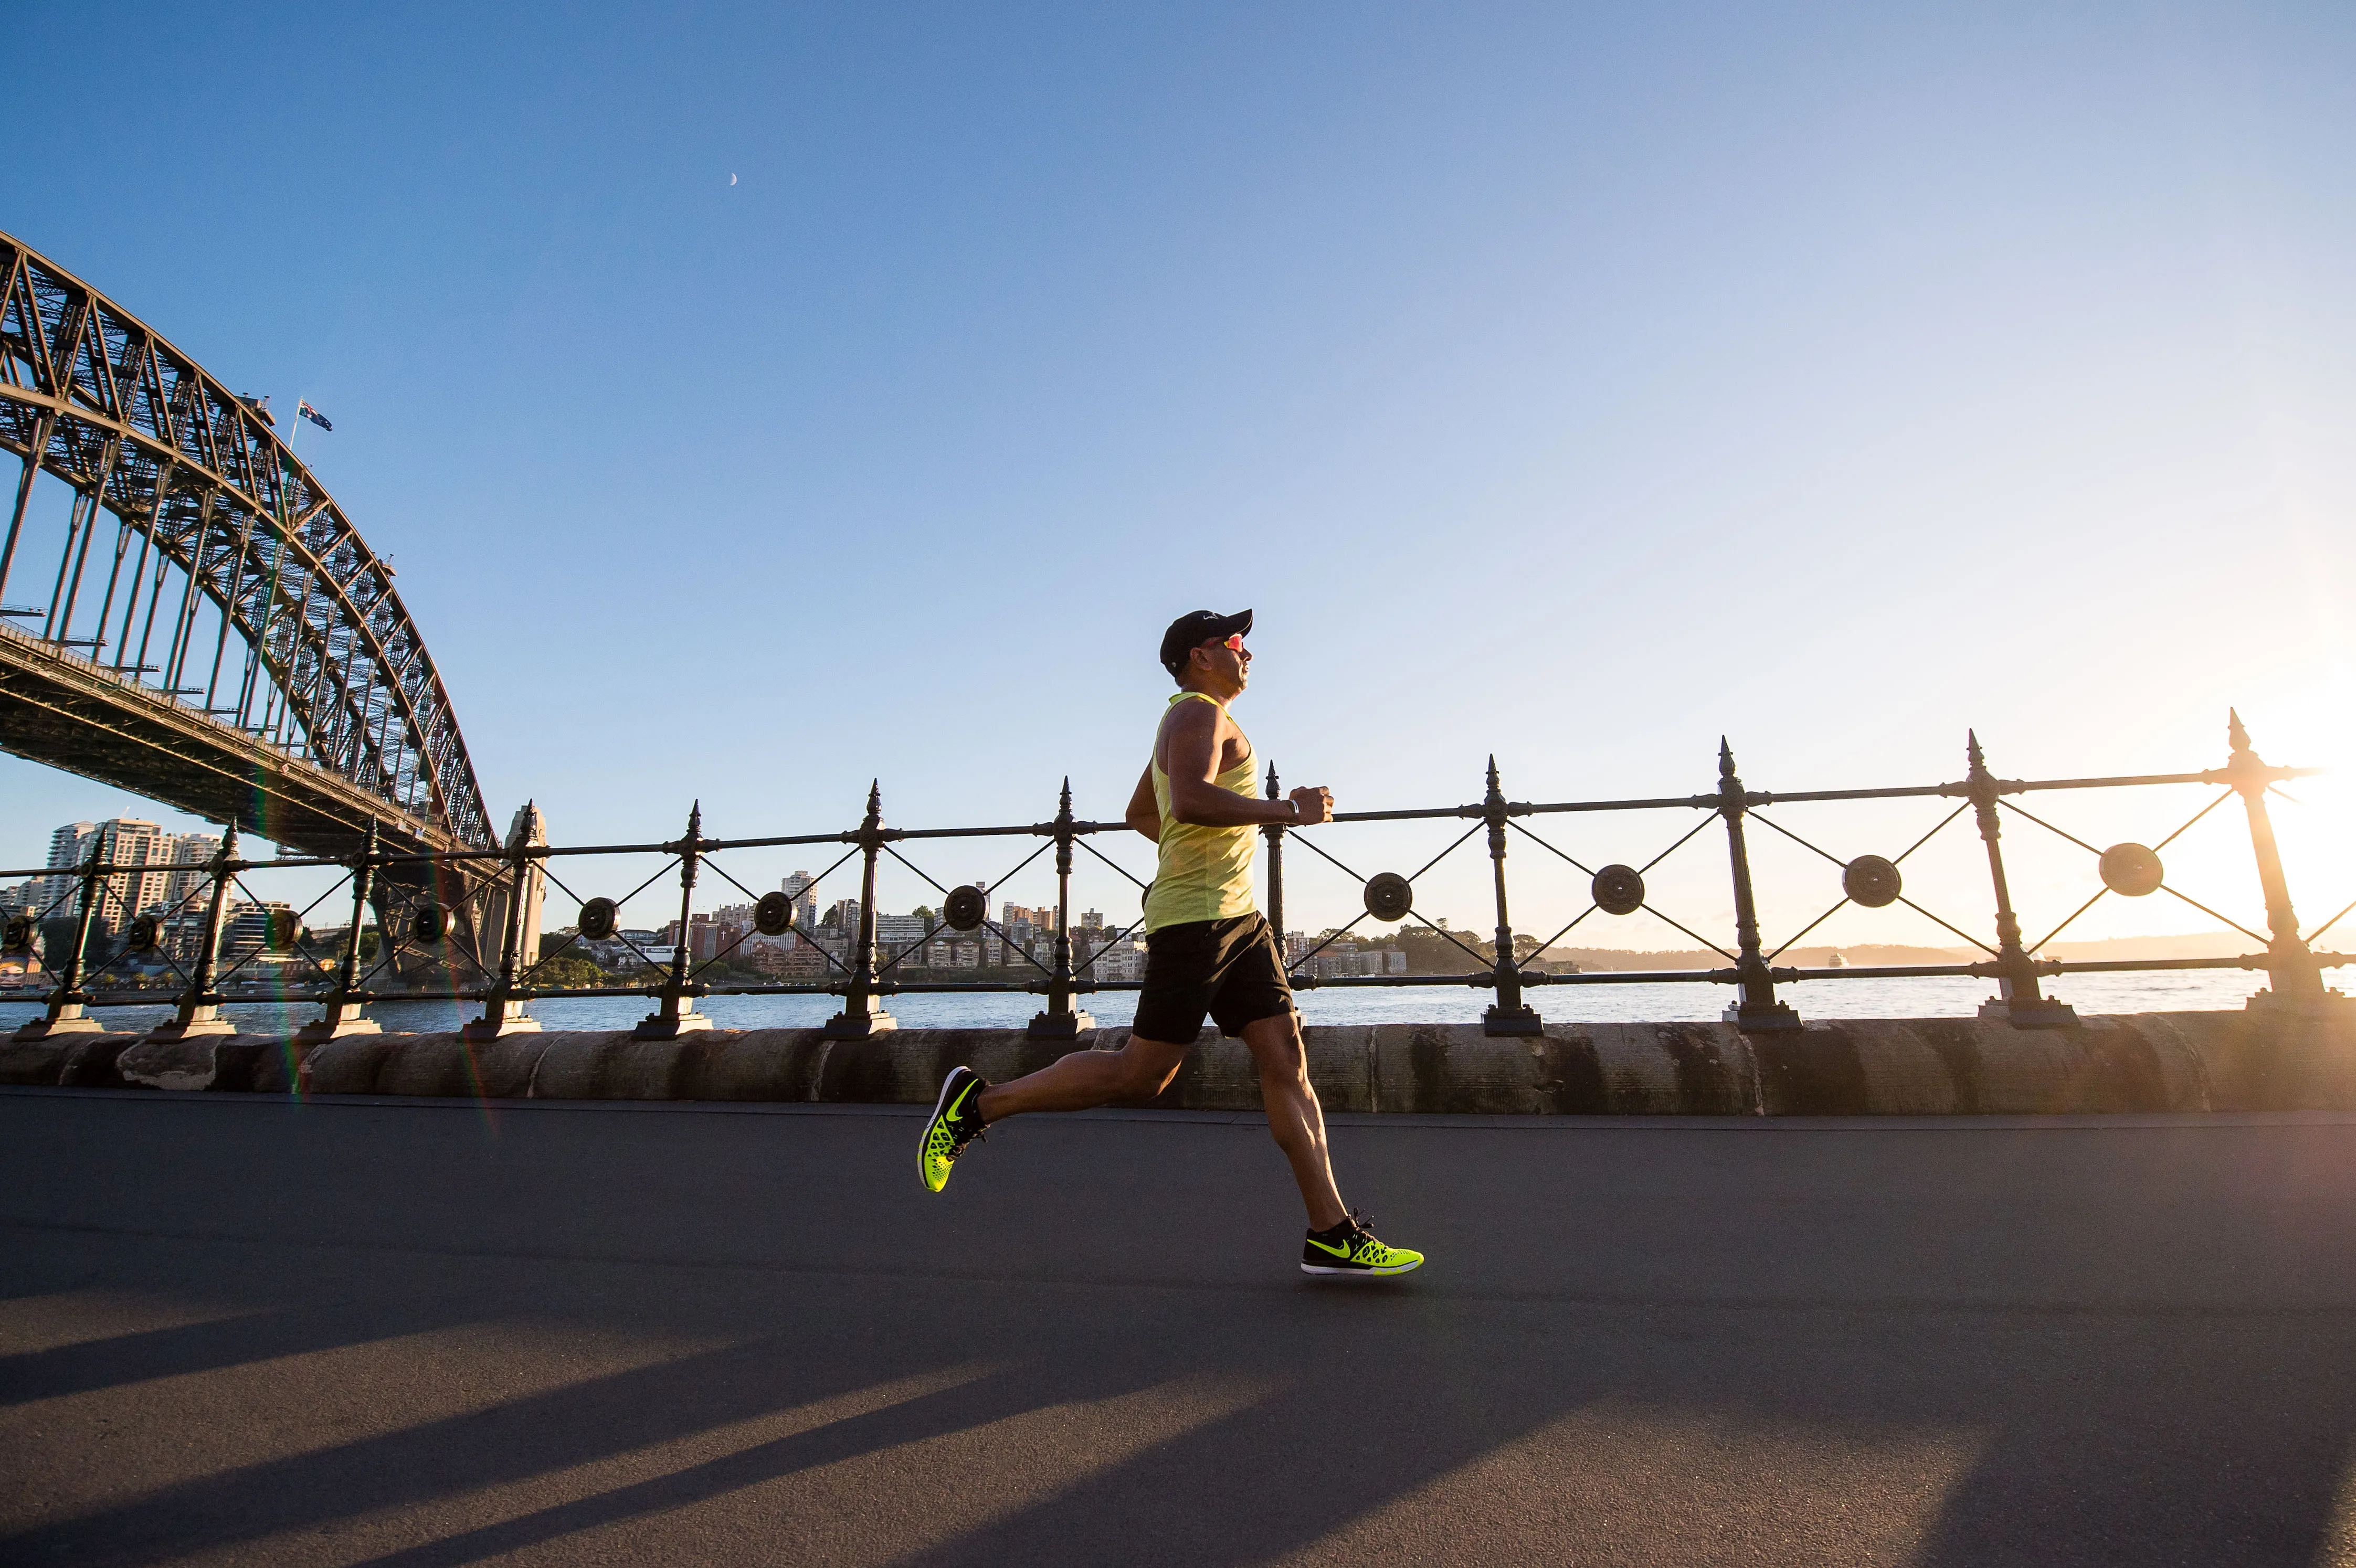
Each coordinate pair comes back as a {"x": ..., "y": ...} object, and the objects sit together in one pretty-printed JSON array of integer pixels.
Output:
[{"x": 1207, "y": 949}]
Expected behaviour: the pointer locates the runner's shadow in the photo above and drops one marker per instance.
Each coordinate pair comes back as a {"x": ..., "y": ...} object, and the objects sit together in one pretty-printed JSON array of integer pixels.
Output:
[
  {"x": 2231, "y": 1441},
  {"x": 1938, "y": 1435}
]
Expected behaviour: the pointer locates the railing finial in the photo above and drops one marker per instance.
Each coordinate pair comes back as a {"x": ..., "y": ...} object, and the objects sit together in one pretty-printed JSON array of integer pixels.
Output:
[
  {"x": 861, "y": 1016},
  {"x": 1062, "y": 1020},
  {"x": 675, "y": 1013}
]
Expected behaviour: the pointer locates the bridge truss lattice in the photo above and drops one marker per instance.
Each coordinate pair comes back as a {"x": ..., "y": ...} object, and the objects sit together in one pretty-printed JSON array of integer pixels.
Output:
[{"x": 233, "y": 584}]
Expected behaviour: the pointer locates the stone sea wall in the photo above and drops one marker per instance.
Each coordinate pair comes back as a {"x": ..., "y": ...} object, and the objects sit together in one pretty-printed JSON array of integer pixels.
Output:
[{"x": 2135, "y": 1062}]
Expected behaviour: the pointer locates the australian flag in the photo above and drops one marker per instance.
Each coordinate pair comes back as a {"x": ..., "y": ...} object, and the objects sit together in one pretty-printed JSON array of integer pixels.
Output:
[{"x": 314, "y": 415}]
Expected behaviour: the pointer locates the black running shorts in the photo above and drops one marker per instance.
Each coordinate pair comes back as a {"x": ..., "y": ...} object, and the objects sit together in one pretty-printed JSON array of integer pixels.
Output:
[{"x": 1227, "y": 968}]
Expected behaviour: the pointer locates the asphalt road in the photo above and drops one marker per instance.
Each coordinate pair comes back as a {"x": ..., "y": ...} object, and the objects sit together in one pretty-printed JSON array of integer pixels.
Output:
[{"x": 234, "y": 1330}]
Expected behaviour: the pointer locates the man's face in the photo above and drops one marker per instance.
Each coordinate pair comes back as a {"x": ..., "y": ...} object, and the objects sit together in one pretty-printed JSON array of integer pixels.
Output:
[{"x": 1227, "y": 660}]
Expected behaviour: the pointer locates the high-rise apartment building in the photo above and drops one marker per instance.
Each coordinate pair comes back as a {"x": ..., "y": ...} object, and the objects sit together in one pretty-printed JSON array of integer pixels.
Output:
[
  {"x": 797, "y": 887},
  {"x": 188, "y": 889},
  {"x": 177, "y": 862},
  {"x": 68, "y": 846}
]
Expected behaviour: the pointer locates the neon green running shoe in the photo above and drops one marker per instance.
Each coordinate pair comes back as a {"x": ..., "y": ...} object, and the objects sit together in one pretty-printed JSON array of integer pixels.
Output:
[
  {"x": 1350, "y": 1248},
  {"x": 954, "y": 1124}
]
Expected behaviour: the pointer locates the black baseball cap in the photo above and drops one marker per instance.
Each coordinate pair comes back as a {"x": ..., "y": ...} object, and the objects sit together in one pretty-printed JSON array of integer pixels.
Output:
[{"x": 1194, "y": 628}]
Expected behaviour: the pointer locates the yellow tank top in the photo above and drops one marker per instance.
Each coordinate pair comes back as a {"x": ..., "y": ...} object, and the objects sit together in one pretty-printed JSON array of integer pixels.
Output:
[{"x": 1203, "y": 873}]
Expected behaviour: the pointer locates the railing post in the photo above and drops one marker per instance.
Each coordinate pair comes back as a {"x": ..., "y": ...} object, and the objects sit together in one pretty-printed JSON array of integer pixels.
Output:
[
  {"x": 1755, "y": 1006},
  {"x": 1274, "y": 833},
  {"x": 342, "y": 1014},
  {"x": 503, "y": 1011},
  {"x": 1061, "y": 1020},
  {"x": 198, "y": 1009},
  {"x": 674, "y": 1014},
  {"x": 2018, "y": 1002},
  {"x": 68, "y": 1005},
  {"x": 861, "y": 1017},
  {"x": 2294, "y": 978},
  {"x": 1508, "y": 1014}
]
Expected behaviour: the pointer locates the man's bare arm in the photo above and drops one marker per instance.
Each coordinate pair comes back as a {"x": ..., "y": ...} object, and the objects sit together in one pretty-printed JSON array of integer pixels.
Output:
[
  {"x": 1193, "y": 762},
  {"x": 1144, "y": 813}
]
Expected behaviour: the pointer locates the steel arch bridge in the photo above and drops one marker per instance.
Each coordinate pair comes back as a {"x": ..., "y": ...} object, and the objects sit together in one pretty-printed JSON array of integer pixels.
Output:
[{"x": 234, "y": 647}]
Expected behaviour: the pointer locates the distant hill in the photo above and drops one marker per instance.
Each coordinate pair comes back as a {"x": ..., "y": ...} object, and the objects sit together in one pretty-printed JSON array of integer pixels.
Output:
[
  {"x": 2206, "y": 945},
  {"x": 2198, "y": 944}
]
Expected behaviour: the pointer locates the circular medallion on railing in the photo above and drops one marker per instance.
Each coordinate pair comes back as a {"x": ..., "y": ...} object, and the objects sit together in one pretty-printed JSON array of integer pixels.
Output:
[
  {"x": 1872, "y": 880},
  {"x": 599, "y": 918},
  {"x": 772, "y": 915},
  {"x": 1389, "y": 896},
  {"x": 1618, "y": 889},
  {"x": 965, "y": 908},
  {"x": 2131, "y": 870},
  {"x": 429, "y": 925},
  {"x": 18, "y": 937},
  {"x": 145, "y": 936}
]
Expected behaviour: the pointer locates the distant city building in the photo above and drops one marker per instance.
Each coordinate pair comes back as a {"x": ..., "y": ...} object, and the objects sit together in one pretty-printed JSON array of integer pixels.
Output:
[
  {"x": 1120, "y": 961},
  {"x": 1024, "y": 924},
  {"x": 177, "y": 859},
  {"x": 636, "y": 947},
  {"x": 68, "y": 846},
  {"x": 894, "y": 931},
  {"x": 185, "y": 890},
  {"x": 1342, "y": 960},
  {"x": 246, "y": 930},
  {"x": 631, "y": 949},
  {"x": 786, "y": 956},
  {"x": 797, "y": 887},
  {"x": 711, "y": 936}
]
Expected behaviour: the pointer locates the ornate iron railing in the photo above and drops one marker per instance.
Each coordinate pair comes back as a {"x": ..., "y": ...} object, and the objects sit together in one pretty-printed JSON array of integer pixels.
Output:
[{"x": 411, "y": 928}]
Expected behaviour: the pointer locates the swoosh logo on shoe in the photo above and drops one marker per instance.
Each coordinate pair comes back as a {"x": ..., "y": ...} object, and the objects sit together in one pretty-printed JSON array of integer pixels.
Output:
[{"x": 1342, "y": 1253}]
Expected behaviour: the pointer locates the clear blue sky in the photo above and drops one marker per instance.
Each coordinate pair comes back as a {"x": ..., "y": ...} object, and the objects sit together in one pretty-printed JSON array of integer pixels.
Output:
[{"x": 1574, "y": 383}]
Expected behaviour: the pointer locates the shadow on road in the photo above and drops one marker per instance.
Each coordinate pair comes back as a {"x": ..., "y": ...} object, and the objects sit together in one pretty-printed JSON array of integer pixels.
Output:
[{"x": 391, "y": 1336}]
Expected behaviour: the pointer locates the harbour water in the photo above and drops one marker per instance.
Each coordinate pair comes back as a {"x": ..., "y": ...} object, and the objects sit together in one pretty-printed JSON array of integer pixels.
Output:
[{"x": 2189, "y": 990}]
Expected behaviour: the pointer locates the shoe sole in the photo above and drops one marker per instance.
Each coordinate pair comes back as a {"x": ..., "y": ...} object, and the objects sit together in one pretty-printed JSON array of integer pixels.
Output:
[
  {"x": 1391, "y": 1273},
  {"x": 923, "y": 1178}
]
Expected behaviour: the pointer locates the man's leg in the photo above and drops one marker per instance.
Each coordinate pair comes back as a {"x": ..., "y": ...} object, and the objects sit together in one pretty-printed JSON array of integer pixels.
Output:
[
  {"x": 1294, "y": 1117},
  {"x": 1087, "y": 1078}
]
